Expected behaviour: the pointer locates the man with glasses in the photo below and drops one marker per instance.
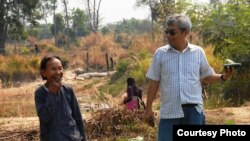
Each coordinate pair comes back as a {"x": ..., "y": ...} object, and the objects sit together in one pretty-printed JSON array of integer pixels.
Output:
[{"x": 178, "y": 69}]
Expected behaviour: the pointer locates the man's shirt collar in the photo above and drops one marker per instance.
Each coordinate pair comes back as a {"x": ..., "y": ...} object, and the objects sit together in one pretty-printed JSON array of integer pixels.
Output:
[{"x": 189, "y": 46}]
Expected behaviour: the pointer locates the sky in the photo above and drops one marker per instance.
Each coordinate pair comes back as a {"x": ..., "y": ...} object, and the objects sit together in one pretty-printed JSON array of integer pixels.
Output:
[{"x": 112, "y": 11}]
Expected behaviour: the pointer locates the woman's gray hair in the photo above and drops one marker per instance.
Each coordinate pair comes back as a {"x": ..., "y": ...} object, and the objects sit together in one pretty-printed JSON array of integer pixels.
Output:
[{"x": 182, "y": 21}]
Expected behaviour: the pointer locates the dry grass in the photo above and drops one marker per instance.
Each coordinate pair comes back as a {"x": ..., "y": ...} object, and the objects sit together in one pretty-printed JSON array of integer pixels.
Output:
[
  {"x": 32, "y": 40},
  {"x": 215, "y": 62},
  {"x": 96, "y": 46},
  {"x": 17, "y": 102},
  {"x": 118, "y": 123},
  {"x": 106, "y": 125},
  {"x": 144, "y": 43},
  {"x": 15, "y": 68}
]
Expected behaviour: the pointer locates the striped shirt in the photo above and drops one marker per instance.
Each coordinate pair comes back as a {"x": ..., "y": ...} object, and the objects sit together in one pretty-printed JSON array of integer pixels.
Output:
[{"x": 179, "y": 75}]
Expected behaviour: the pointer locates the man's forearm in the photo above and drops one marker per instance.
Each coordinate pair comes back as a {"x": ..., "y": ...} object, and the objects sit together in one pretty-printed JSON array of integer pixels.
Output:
[
  {"x": 213, "y": 78},
  {"x": 151, "y": 93}
]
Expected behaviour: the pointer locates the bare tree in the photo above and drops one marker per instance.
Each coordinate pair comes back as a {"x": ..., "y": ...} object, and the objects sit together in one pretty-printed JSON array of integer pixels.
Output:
[
  {"x": 93, "y": 14},
  {"x": 65, "y": 3},
  {"x": 159, "y": 10},
  {"x": 54, "y": 20},
  {"x": 46, "y": 7},
  {"x": 152, "y": 4}
]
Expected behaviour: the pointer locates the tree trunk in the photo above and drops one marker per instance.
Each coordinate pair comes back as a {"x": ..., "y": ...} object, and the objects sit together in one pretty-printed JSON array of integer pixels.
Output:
[
  {"x": 2, "y": 39},
  {"x": 54, "y": 20},
  {"x": 107, "y": 61},
  {"x": 90, "y": 16},
  {"x": 67, "y": 22},
  {"x": 152, "y": 20},
  {"x": 93, "y": 14},
  {"x": 97, "y": 15},
  {"x": 2, "y": 28}
]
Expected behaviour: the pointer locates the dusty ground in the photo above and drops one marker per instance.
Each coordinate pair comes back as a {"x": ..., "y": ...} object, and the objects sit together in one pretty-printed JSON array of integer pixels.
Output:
[{"x": 230, "y": 115}]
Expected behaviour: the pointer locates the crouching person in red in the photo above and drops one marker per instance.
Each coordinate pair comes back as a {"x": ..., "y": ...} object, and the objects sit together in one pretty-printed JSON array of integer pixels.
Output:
[
  {"x": 56, "y": 104},
  {"x": 133, "y": 100}
]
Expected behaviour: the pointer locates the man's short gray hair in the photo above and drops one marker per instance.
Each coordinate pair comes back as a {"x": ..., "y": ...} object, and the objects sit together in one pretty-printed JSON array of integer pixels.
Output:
[{"x": 182, "y": 21}]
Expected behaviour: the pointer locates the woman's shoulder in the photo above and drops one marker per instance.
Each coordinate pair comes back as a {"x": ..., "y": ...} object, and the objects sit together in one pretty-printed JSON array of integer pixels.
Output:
[
  {"x": 67, "y": 86},
  {"x": 41, "y": 92},
  {"x": 39, "y": 89}
]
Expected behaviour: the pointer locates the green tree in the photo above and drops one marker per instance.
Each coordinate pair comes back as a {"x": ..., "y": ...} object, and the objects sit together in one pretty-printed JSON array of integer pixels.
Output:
[
  {"x": 227, "y": 28},
  {"x": 60, "y": 24},
  {"x": 133, "y": 26},
  {"x": 58, "y": 29},
  {"x": 13, "y": 12},
  {"x": 46, "y": 8},
  {"x": 16, "y": 32},
  {"x": 43, "y": 31},
  {"x": 80, "y": 22},
  {"x": 105, "y": 30},
  {"x": 160, "y": 9}
]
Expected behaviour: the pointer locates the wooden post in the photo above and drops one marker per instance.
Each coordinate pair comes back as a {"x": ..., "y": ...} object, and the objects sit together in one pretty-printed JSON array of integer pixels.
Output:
[
  {"x": 107, "y": 61},
  {"x": 112, "y": 63},
  {"x": 87, "y": 61}
]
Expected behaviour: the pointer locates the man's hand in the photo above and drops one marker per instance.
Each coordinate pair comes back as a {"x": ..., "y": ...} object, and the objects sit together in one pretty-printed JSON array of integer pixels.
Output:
[
  {"x": 228, "y": 72},
  {"x": 149, "y": 118}
]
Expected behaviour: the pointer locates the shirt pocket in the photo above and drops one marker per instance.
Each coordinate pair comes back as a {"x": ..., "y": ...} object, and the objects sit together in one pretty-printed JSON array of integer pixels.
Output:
[
  {"x": 192, "y": 70},
  {"x": 169, "y": 68}
]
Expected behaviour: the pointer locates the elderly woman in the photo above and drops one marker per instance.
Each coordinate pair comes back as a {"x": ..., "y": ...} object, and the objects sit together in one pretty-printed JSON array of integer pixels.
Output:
[{"x": 56, "y": 104}]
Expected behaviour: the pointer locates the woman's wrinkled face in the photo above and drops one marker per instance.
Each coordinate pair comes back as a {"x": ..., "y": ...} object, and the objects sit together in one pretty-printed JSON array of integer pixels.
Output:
[{"x": 53, "y": 71}]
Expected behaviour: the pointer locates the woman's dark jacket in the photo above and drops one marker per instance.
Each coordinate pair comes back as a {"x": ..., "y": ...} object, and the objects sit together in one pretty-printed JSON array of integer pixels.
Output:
[{"x": 59, "y": 115}]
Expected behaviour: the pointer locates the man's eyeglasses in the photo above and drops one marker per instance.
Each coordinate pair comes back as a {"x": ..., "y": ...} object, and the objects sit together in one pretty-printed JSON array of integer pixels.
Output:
[{"x": 170, "y": 32}]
